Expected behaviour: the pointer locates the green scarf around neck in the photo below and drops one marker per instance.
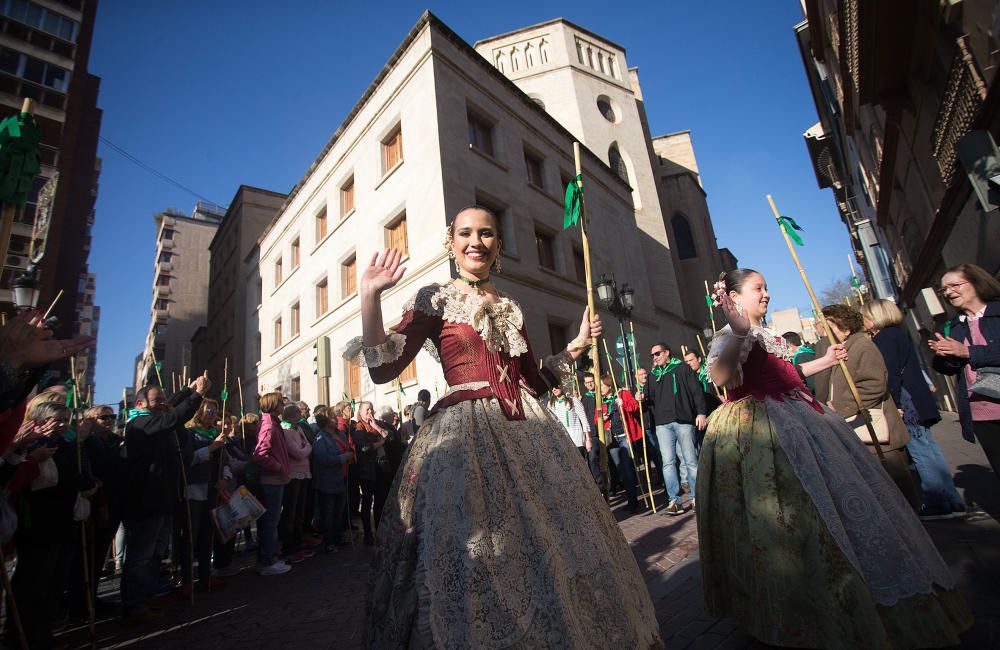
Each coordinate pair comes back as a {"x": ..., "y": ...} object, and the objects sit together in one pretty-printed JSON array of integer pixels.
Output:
[
  {"x": 134, "y": 413},
  {"x": 660, "y": 371}
]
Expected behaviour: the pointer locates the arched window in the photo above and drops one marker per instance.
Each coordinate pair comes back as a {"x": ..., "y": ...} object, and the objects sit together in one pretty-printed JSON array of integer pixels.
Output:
[
  {"x": 683, "y": 237},
  {"x": 617, "y": 163}
]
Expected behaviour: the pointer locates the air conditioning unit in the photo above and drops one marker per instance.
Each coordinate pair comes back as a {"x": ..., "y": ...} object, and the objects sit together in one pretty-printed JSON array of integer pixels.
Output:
[{"x": 16, "y": 261}]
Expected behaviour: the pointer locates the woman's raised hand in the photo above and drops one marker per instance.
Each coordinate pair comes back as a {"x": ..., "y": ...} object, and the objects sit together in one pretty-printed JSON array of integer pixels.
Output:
[
  {"x": 383, "y": 273},
  {"x": 737, "y": 320}
]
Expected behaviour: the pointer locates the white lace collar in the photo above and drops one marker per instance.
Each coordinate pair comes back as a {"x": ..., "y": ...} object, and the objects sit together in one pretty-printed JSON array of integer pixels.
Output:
[{"x": 498, "y": 324}]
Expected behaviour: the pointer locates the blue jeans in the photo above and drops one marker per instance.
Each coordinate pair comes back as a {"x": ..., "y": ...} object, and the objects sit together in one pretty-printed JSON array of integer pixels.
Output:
[
  {"x": 622, "y": 459},
  {"x": 267, "y": 525},
  {"x": 676, "y": 439},
  {"x": 936, "y": 484},
  {"x": 142, "y": 564},
  {"x": 331, "y": 515}
]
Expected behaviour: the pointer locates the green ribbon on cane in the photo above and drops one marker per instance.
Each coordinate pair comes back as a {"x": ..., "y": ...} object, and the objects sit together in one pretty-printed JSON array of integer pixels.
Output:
[
  {"x": 574, "y": 202},
  {"x": 19, "y": 162},
  {"x": 789, "y": 226}
]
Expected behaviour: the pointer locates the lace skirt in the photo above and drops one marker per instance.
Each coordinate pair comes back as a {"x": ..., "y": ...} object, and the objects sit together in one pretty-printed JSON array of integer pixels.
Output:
[
  {"x": 495, "y": 536},
  {"x": 806, "y": 541}
]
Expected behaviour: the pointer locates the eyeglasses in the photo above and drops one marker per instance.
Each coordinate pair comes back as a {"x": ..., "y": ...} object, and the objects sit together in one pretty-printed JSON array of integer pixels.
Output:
[
  {"x": 211, "y": 411},
  {"x": 656, "y": 354},
  {"x": 950, "y": 287},
  {"x": 105, "y": 417}
]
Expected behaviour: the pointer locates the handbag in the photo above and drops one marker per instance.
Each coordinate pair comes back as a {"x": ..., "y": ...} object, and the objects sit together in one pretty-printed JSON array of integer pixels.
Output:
[
  {"x": 879, "y": 423},
  {"x": 987, "y": 383}
]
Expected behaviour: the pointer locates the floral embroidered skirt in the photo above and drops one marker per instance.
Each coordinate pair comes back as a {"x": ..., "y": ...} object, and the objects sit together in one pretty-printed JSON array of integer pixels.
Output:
[
  {"x": 770, "y": 560},
  {"x": 495, "y": 536}
]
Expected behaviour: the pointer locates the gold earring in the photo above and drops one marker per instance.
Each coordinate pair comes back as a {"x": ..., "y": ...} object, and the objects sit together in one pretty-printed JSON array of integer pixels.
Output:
[{"x": 496, "y": 263}]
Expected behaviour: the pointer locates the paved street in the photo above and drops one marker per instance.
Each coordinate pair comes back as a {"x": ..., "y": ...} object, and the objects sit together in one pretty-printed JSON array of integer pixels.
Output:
[{"x": 319, "y": 604}]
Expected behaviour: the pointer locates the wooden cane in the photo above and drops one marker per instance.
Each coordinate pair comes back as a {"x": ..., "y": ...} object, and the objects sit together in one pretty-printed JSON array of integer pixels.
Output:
[
  {"x": 595, "y": 355},
  {"x": 13, "y": 603},
  {"x": 152, "y": 353},
  {"x": 243, "y": 424},
  {"x": 614, "y": 384},
  {"x": 52, "y": 305},
  {"x": 829, "y": 335},
  {"x": 711, "y": 312},
  {"x": 83, "y": 524},
  {"x": 642, "y": 421}
]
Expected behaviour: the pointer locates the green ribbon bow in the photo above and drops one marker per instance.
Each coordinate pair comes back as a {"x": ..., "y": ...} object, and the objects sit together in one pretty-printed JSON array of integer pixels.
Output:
[
  {"x": 660, "y": 371},
  {"x": 789, "y": 226},
  {"x": 708, "y": 300},
  {"x": 69, "y": 384},
  {"x": 159, "y": 366},
  {"x": 574, "y": 202},
  {"x": 224, "y": 394},
  {"x": 19, "y": 138},
  {"x": 350, "y": 399},
  {"x": 856, "y": 282},
  {"x": 947, "y": 328},
  {"x": 132, "y": 414}
]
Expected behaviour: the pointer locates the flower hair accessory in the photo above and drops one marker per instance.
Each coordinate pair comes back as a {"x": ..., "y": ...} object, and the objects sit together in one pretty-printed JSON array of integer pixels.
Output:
[{"x": 718, "y": 293}]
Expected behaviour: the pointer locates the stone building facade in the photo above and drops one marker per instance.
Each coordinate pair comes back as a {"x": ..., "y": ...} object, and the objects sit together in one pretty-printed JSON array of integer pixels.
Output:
[
  {"x": 224, "y": 335},
  {"x": 180, "y": 292},
  {"x": 445, "y": 125},
  {"x": 898, "y": 92}
]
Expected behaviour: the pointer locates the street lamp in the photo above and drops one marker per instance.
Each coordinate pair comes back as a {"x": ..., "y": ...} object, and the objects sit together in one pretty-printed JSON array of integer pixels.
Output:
[
  {"x": 25, "y": 288},
  {"x": 620, "y": 302}
]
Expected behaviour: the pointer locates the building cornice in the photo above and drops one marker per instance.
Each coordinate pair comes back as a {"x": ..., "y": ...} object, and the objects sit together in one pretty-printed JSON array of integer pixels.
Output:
[{"x": 554, "y": 21}]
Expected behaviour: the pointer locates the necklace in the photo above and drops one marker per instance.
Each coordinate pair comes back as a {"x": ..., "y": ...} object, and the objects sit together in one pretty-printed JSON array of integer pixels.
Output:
[{"x": 475, "y": 284}]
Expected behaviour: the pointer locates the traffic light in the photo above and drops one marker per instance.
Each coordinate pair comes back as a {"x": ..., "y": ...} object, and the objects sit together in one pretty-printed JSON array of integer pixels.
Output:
[{"x": 322, "y": 359}]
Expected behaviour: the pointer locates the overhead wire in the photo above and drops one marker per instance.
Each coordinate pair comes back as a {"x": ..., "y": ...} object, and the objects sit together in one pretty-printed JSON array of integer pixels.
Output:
[{"x": 154, "y": 171}]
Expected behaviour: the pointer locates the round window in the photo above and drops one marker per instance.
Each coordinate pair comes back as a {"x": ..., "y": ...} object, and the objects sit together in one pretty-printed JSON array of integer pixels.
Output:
[{"x": 604, "y": 106}]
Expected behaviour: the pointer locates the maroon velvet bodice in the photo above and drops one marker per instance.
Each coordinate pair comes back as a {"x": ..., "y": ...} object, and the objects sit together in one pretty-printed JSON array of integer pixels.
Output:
[{"x": 766, "y": 375}]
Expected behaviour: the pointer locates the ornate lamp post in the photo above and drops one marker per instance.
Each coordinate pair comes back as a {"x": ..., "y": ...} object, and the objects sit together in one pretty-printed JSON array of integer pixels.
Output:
[
  {"x": 620, "y": 302},
  {"x": 25, "y": 288}
]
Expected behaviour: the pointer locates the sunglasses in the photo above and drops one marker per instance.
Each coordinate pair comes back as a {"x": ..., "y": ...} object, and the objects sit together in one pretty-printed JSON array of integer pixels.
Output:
[
  {"x": 105, "y": 417},
  {"x": 656, "y": 354}
]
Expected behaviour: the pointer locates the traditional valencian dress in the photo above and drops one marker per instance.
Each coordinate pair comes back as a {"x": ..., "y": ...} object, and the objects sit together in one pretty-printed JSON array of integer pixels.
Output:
[
  {"x": 494, "y": 535},
  {"x": 804, "y": 538}
]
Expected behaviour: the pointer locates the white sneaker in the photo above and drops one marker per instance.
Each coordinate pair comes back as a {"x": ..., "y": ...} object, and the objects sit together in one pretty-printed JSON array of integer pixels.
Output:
[{"x": 275, "y": 569}]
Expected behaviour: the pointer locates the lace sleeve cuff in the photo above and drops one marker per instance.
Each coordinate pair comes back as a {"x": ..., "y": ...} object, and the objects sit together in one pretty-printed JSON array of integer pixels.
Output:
[
  {"x": 378, "y": 355},
  {"x": 722, "y": 341}
]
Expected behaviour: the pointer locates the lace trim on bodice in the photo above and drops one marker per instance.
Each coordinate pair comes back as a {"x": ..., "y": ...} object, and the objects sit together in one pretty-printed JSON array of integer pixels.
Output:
[
  {"x": 768, "y": 339},
  {"x": 498, "y": 324}
]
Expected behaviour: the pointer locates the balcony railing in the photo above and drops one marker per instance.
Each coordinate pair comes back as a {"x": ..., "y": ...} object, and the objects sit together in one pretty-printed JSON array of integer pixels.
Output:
[{"x": 963, "y": 97}]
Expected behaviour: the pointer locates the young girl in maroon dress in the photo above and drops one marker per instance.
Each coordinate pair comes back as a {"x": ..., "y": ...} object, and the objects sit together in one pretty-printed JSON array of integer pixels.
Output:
[
  {"x": 804, "y": 538},
  {"x": 495, "y": 535}
]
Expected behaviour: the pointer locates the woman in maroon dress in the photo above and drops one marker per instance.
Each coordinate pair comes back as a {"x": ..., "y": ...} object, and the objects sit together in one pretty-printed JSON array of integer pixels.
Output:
[{"x": 480, "y": 545}]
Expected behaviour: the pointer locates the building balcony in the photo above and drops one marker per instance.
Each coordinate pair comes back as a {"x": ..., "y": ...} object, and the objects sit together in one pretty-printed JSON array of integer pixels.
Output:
[
  {"x": 161, "y": 290},
  {"x": 963, "y": 97},
  {"x": 160, "y": 315},
  {"x": 165, "y": 267},
  {"x": 167, "y": 244}
]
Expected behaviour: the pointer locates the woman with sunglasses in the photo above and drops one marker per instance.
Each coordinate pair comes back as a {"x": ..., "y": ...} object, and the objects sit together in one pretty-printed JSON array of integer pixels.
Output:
[
  {"x": 969, "y": 347},
  {"x": 103, "y": 448}
]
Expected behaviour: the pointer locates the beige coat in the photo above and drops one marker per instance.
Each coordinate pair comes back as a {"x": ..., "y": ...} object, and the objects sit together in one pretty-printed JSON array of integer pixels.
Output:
[{"x": 868, "y": 370}]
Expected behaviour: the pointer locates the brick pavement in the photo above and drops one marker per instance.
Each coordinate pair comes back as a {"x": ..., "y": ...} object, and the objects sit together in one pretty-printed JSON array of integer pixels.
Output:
[{"x": 319, "y": 604}]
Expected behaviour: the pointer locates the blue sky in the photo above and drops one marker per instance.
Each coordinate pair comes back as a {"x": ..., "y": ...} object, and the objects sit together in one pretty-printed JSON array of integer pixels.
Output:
[{"x": 215, "y": 94}]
